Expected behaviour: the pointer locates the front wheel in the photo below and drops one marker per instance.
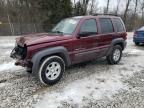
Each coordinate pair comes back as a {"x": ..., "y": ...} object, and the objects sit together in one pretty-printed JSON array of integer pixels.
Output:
[
  {"x": 51, "y": 70},
  {"x": 115, "y": 56}
]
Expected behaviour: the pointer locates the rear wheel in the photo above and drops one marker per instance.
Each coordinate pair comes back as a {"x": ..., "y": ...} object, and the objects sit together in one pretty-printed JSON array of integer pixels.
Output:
[
  {"x": 137, "y": 43},
  {"x": 51, "y": 70},
  {"x": 115, "y": 56}
]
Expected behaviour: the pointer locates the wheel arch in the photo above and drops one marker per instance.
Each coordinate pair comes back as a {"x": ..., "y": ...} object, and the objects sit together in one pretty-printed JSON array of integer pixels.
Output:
[
  {"x": 120, "y": 44},
  {"x": 56, "y": 51},
  {"x": 119, "y": 41},
  {"x": 59, "y": 54}
]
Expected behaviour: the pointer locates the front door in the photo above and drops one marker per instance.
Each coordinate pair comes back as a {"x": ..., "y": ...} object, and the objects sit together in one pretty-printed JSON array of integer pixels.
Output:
[{"x": 86, "y": 46}]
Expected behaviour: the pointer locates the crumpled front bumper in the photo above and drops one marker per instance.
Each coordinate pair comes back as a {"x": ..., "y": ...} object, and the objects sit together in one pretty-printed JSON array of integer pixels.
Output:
[
  {"x": 22, "y": 63},
  {"x": 19, "y": 61}
]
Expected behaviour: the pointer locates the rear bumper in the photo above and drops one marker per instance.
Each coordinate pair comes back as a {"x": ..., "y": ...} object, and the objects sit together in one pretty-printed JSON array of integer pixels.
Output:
[{"x": 138, "y": 39}]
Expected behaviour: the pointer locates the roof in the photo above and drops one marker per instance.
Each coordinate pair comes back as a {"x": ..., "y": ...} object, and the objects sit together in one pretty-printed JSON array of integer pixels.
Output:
[
  {"x": 94, "y": 16},
  {"x": 141, "y": 29}
]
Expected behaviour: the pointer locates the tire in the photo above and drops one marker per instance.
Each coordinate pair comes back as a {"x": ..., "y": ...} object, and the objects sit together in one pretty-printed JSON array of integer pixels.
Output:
[
  {"x": 115, "y": 55},
  {"x": 137, "y": 43},
  {"x": 51, "y": 70}
]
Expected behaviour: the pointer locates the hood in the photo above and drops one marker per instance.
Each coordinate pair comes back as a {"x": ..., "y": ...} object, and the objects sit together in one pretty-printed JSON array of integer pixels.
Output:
[{"x": 39, "y": 38}]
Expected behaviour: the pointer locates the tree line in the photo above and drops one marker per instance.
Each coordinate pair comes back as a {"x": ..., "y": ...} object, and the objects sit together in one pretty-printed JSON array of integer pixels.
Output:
[{"x": 27, "y": 16}]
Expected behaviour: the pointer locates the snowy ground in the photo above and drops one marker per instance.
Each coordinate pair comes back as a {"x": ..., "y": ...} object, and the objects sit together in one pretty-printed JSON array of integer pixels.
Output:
[{"x": 93, "y": 84}]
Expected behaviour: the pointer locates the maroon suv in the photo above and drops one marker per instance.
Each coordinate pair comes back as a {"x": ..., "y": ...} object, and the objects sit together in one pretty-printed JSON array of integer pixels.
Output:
[{"x": 73, "y": 40}]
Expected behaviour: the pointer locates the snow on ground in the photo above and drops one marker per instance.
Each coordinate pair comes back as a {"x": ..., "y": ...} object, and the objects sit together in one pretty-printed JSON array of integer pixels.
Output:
[
  {"x": 8, "y": 66},
  {"x": 3, "y": 85},
  {"x": 7, "y": 41},
  {"x": 94, "y": 87},
  {"x": 7, "y": 53},
  {"x": 7, "y": 44},
  {"x": 136, "y": 51},
  {"x": 90, "y": 88}
]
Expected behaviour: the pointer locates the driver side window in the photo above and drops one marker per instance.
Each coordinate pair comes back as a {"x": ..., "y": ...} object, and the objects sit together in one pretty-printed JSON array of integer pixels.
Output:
[{"x": 89, "y": 26}]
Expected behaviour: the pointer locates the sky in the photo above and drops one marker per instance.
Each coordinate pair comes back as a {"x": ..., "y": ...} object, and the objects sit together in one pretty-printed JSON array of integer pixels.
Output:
[
  {"x": 103, "y": 2},
  {"x": 113, "y": 3}
]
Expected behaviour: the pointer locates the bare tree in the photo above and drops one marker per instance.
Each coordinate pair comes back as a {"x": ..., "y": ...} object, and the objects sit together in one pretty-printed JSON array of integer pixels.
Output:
[
  {"x": 142, "y": 11},
  {"x": 107, "y": 8},
  {"x": 136, "y": 5},
  {"x": 9, "y": 19},
  {"x": 92, "y": 6},
  {"x": 134, "y": 13},
  {"x": 117, "y": 7},
  {"x": 85, "y": 6},
  {"x": 126, "y": 10},
  {"x": 142, "y": 8},
  {"x": 74, "y": 1},
  {"x": 82, "y": 7}
]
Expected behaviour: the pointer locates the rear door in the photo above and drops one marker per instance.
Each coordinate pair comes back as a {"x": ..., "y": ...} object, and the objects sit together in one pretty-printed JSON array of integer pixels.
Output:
[
  {"x": 86, "y": 47},
  {"x": 107, "y": 35}
]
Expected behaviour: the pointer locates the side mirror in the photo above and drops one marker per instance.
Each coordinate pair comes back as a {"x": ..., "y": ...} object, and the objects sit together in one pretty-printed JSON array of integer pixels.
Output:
[{"x": 82, "y": 34}]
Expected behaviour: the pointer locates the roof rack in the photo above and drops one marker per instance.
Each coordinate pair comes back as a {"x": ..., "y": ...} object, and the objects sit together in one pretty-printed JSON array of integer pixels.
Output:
[{"x": 104, "y": 14}]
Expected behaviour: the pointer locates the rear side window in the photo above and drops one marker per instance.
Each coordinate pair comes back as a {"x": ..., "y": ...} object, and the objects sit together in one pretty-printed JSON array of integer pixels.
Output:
[
  {"x": 89, "y": 26},
  {"x": 118, "y": 24},
  {"x": 106, "y": 25}
]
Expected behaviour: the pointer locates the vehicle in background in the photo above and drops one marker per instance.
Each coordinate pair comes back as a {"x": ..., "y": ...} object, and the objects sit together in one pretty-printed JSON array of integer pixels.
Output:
[
  {"x": 73, "y": 40},
  {"x": 138, "y": 37}
]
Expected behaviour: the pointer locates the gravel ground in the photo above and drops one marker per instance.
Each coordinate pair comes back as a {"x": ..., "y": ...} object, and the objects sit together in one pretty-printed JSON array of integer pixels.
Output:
[{"x": 92, "y": 84}]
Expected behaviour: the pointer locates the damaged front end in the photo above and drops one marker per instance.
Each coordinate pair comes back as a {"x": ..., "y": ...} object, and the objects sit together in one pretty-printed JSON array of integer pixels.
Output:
[{"x": 20, "y": 52}]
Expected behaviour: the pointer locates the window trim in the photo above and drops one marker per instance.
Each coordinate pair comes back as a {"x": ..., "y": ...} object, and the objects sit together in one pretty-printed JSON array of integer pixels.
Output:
[{"x": 112, "y": 26}]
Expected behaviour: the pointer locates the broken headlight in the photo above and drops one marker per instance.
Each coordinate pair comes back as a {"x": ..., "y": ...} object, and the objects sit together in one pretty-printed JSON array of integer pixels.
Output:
[{"x": 19, "y": 52}]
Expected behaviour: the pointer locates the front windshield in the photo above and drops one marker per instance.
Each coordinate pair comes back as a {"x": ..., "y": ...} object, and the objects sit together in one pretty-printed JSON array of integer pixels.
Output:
[{"x": 66, "y": 26}]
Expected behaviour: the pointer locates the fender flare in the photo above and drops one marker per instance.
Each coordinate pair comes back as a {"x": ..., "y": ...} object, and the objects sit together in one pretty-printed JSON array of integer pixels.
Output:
[
  {"x": 117, "y": 41},
  {"x": 46, "y": 52}
]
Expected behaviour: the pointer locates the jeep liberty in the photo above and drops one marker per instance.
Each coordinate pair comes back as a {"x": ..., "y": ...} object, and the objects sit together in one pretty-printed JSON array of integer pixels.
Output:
[{"x": 71, "y": 41}]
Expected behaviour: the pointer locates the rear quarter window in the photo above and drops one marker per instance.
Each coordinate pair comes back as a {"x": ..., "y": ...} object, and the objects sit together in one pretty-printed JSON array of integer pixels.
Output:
[
  {"x": 118, "y": 25},
  {"x": 106, "y": 25}
]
